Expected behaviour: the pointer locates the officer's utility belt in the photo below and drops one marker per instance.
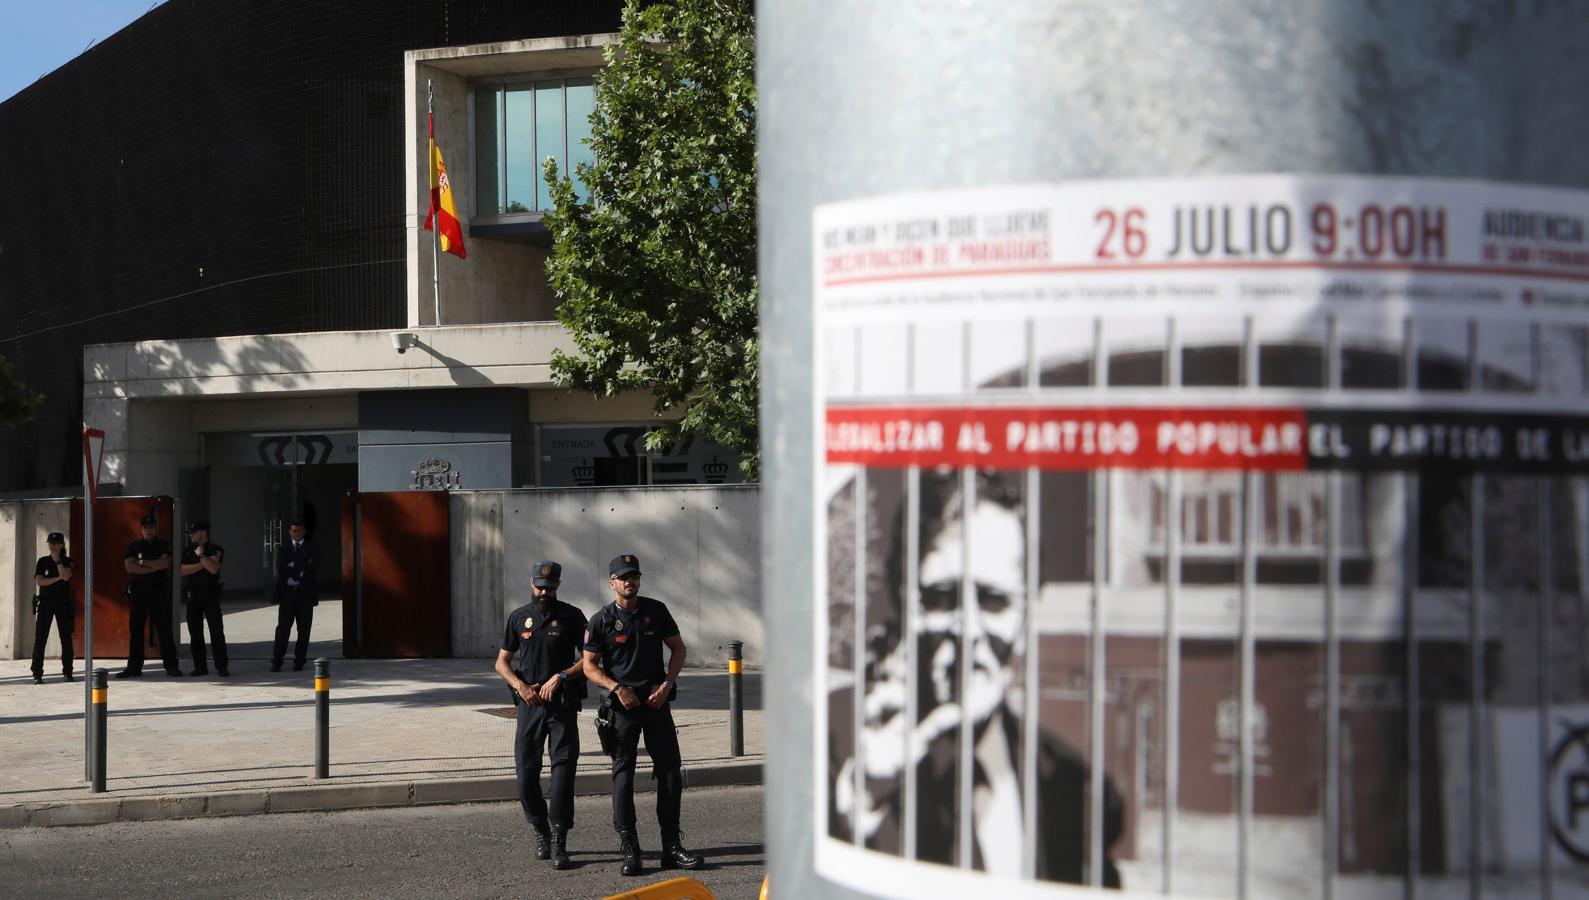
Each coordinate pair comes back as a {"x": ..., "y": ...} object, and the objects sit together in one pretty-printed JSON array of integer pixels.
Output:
[
  {"x": 606, "y": 730},
  {"x": 200, "y": 594},
  {"x": 46, "y": 599},
  {"x": 567, "y": 699},
  {"x": 606, "y": 726}
]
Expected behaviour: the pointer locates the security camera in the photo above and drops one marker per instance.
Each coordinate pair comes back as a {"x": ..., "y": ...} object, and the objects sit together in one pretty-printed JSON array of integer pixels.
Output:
[{"x": 402, "y": 340}]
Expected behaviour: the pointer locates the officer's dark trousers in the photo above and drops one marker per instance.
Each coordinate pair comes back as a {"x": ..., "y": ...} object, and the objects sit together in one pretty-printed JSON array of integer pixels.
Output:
[
  {"x": 203, "y": 607},
  {"x": 536, "y": 725},
  {"x": 662, "y": 743},
  {"x": 146, "y": 606},
  {"x": 60, "y": 612},
  {"x": 297, "y": 606}
]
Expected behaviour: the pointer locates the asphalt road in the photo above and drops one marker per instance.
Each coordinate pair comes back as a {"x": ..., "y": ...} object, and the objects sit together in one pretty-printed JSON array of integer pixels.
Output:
[{"x": 474, "y": 851}]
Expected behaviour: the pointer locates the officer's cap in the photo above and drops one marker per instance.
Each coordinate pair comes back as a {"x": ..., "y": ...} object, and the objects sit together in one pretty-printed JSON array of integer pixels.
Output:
[
  {"x": 624, "y": 565},
  {"x": 150, "y": 520},
  {"x": 546, "y": 574},
  {"x": 198, "y": 525},
  {"x": 55, "y": 538}
]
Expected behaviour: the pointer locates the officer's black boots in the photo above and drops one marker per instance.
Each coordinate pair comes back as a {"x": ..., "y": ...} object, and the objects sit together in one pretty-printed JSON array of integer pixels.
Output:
[
  {"x": 68, "y": 676},
  {"x": 543, "y": 842},
  {"x": 38, "y": 679},
  {"x": 560, "y": 858},
  {"x": 674, "y": 856},
  {"x": 629, "y": 843}
]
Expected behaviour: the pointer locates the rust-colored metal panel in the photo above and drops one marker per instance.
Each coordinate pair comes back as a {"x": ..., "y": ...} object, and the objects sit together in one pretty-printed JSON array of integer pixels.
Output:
[
  {"x": 115, "y": 526},
  {"x": 350, "y": 590},
  {"x": 405, "y": 568}
]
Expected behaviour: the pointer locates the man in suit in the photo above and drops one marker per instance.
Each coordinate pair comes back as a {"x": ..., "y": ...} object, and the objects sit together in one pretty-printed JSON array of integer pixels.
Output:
[{"x": 295, "y": 596}]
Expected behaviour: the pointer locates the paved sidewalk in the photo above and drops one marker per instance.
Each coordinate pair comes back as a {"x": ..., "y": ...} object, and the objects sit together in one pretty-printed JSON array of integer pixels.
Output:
[{"x": 402, "y": 732}]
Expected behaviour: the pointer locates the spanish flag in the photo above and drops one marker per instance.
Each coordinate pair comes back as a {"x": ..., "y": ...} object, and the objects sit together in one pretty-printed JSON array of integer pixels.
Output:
[{"x": 441, "y": 205}]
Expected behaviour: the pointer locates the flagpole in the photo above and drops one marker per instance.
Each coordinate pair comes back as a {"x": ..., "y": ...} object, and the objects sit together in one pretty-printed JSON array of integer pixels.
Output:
[{"x": 435, "y": 207}]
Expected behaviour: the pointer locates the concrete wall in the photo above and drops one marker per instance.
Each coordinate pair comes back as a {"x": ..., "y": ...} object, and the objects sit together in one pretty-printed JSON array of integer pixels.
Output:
[
  {"x": 480, "y": 434},
  {"x": 699, "y": 548},
  {"x": 265, "y": 366},
  {"x": 23, "y": 527},
  {"x": 501, "y": 281},
  {"x": 160, "y": 443}
]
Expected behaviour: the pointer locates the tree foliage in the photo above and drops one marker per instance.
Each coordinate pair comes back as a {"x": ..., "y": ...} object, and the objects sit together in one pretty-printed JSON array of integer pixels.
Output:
[
  {"x": 17, "y": 403},
  {"x": 656, "y": 270}
]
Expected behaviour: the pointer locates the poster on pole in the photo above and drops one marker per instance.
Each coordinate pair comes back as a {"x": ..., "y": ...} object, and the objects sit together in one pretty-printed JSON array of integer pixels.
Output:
[{"x": 1187, "y": 534}]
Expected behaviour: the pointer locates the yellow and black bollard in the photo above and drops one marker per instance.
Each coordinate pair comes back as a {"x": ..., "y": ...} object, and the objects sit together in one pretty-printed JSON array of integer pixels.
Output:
[
  {"x": 736, "y": 700},
  {"x": 101, "y": 703},
  {"x": 322, "y": 718}
]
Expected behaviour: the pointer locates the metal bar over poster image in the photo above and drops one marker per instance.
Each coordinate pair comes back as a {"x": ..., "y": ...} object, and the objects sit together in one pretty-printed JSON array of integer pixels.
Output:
[{"x": 1102, "y": 460}]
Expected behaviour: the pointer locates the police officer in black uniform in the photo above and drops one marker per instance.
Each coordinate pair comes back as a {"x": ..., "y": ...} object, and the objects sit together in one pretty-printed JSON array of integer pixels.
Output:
[
  {"x": 623, "y": 656},
  {"x": 52, "y": 575},
  {"x": 201, "y": 591},
  {"x": 148, "y": 564},
  {"x": 540, "y": 661}
]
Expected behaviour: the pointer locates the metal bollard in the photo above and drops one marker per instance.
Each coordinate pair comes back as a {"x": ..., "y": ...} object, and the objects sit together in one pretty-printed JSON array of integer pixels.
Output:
[
  {"x": 101, "y": 702},
  {"x": 322, "y": 718},
  {"x": 736, "y": 700}
]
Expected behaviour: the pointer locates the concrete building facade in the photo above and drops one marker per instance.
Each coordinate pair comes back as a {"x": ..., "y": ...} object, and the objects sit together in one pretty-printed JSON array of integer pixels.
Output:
[{"x": 259, "y": 397}]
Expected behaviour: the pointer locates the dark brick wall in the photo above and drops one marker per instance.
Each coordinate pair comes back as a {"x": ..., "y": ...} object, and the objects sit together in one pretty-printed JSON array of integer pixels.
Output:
[{"x": 215, "y": 169}]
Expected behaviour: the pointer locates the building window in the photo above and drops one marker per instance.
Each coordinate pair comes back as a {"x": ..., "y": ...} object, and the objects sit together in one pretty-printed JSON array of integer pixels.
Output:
[{"x": 517, "y": 126}]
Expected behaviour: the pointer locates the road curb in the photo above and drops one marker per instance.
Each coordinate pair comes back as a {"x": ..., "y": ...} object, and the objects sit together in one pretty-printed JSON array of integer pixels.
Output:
[{"x": 332, "y": 796}]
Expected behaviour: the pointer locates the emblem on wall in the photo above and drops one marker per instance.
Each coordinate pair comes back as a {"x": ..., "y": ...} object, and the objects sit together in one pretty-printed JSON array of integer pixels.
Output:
[
  {"x": 435, "y": 474},
  {"x": 295, "y": 450}
]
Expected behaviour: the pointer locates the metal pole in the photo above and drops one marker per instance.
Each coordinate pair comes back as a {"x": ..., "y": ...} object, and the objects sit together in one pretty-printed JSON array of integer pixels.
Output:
[
  {"x": 1542, "y": 647},
  {"x": 962, "y": 95},
  {"x": 1411, "y": 485},
  {"x": 322, "y": 718},
  {"x": 435, "y": 207},
  {"x": 1098, "y": 672},
  {"x": 1332, "y": 641},
  {"x": 1476, "y": 712},
  {"x": 87, "y": 551},
  {"x": 100, "y": 693},
  {"x": 736, "y": 700}
]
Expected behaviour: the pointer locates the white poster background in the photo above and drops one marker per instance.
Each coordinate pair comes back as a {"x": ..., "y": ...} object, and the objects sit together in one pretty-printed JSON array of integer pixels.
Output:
[{"x": 916, "y": 294}]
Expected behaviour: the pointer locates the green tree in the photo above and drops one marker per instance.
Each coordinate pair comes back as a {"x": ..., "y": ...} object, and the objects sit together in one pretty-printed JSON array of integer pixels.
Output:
[
  {"x": 656, "y": 270},
  {"x": 17, "y": 403}
]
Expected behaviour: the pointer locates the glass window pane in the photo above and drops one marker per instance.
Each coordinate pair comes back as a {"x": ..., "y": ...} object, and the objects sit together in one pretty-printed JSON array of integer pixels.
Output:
[
  {"x": 1217, "y": 366},
  {"x": 581, "y": 96},
  {"x": 883, "y": 365},
  {"x": 1291, "y": 365},
  {"x": 1506, "y": 357},
  {"x": 938, "y": 357},
  {"x": 488, "y": 197},
  {"x": 520, "y": 169},
  {"x": 997, "y": 360},
  {"x": 1442, "y": 355},
  {"x": 548, "y": 135}
]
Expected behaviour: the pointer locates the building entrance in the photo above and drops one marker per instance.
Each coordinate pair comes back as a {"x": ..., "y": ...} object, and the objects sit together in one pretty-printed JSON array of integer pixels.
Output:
[{"x": 258, "y": 485}]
